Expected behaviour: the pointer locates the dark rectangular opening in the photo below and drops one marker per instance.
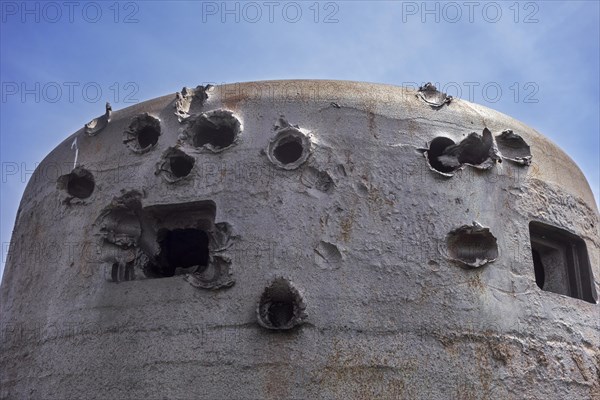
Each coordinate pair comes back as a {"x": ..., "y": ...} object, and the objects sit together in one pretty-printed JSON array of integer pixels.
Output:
[
  {"x": 561, "y": 263},
  {"x": 182, "y": 237}
]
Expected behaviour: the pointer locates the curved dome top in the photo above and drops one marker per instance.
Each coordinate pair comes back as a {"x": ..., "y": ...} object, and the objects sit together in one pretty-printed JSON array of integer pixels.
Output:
[
  {"x": 550, "y": 163},
  {"x": 314, "y": 239}
]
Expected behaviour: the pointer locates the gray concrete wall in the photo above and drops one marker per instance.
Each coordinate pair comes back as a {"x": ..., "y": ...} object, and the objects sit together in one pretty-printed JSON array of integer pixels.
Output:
[{"x": 337, "y": 275}]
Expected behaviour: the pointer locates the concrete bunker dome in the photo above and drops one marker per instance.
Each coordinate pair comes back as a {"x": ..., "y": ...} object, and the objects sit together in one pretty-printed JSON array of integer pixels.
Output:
[{"x": 312, "y": 239}]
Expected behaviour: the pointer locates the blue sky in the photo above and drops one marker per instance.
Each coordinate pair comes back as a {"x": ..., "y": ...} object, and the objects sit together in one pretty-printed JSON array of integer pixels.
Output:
[{"x": 135, "y": 51}]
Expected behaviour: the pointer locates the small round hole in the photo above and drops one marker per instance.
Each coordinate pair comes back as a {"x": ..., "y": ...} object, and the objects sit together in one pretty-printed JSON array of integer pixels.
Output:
[
  {"x": 280, "y": 313},
  {"x": 81, "y": 187},
  {"x": 281, "y": 306},
  {"x": 473, "y": 246},
  {"x": 142, "y": 134},
  {"x": 436, "y": 149},
  {"x": 287, "y": 152},
  {"x": 215, "y": 130},
  {"x": 181, "y": 166},
  {"x": 175, "y": 165},
  {"x": 79, "y": 183},
  {"x": 289, "y": 148},
  {"x": 147, "y": 137}
]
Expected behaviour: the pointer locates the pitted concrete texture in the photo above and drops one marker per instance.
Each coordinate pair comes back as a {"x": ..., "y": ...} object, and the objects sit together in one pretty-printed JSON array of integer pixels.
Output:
[{"x": 303, "y": 239}]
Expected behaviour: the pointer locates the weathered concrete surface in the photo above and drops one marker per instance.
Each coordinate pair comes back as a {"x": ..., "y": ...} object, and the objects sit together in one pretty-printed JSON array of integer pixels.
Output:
[{"x": 348, "y": 220}]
